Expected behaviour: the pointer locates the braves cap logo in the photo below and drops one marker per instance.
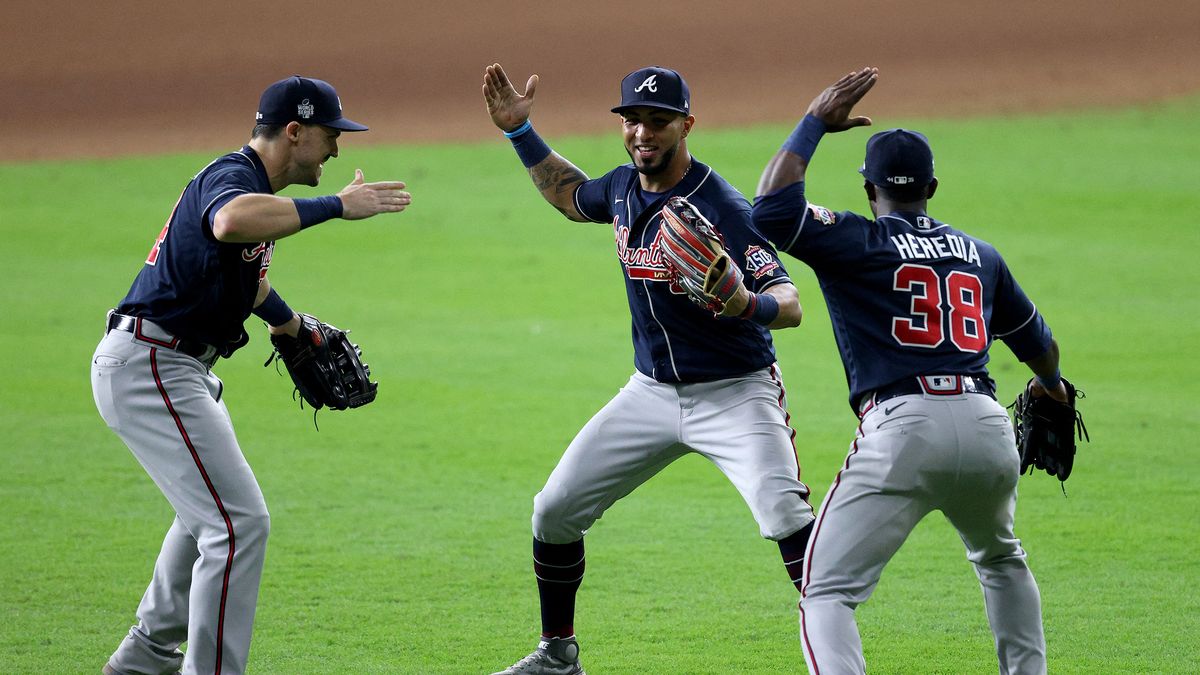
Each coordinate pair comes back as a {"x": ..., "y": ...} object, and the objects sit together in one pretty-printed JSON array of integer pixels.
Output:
[
  {"x": 648, "y": 83},
  {"x": 306, "y": 109}
]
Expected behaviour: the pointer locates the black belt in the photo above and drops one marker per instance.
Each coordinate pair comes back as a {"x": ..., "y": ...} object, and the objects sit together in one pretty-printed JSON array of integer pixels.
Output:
[
  {"x": 206, "y": 354},
  {"x": 933, "y": 385}
]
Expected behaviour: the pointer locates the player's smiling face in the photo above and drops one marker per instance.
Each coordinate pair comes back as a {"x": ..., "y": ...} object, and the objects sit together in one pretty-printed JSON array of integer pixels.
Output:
[
  {"x": 652, "y": 137},
  {"x": 315, "y": 145}
]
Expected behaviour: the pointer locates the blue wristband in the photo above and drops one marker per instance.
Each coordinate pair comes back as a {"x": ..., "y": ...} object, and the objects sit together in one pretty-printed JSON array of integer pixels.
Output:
[
  {"x": 529, "y": 146},
  {"x": 318, "y": 209},
  {"x": 762, "y": 309},
  {"x": 1050, "y": 383},
  {"x": 274, "y": 310},
  {"x": 805, "y": 137},
  {"x": 526, "y": 126}
]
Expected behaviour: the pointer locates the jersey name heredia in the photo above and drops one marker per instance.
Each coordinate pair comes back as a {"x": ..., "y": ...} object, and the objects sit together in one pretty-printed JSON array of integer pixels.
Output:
[{"x": 942, "y": 246}]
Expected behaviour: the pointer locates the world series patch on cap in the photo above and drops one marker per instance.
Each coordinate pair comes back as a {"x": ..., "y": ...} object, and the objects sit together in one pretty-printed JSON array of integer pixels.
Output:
[
  {"x": 305, "y": 100},
  {"x": 655, "y": 87}
]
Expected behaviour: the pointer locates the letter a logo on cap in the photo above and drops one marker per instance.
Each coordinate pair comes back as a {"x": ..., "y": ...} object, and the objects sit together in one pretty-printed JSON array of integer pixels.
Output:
[{"x": 649, "y": 83}]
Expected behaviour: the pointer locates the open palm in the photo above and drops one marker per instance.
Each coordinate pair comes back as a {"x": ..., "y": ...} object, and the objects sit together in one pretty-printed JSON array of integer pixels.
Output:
[
  {"x": 508, "y": 109},
  {"x": 833, "y": 105}
]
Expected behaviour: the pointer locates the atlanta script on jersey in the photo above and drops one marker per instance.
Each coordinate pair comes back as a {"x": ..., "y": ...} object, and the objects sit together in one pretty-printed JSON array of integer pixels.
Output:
[{"x": 675, "y": 340}]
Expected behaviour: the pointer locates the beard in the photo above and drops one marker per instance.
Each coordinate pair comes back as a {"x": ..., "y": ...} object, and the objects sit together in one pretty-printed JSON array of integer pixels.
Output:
[{"x": 654, "y": 169}]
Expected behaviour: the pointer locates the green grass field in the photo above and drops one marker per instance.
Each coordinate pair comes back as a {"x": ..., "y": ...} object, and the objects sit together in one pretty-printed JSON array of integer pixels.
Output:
[{"x": 400, "y": 532}]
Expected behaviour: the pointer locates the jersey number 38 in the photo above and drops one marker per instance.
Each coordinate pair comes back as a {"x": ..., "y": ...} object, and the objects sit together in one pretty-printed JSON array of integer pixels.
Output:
[{"x": 961, "y": 315}]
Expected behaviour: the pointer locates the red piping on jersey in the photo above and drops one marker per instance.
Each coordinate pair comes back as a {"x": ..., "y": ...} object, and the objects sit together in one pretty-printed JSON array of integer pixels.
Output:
[
  {"x": 211, "y": 490},
  {"x": 812, "y": 545}
]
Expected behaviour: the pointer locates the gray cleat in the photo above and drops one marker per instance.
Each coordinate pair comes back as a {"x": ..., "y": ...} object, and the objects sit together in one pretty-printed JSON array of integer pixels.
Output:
[
  {"x": 109, "y": 670},
  {"x": 554, "y": 656}
]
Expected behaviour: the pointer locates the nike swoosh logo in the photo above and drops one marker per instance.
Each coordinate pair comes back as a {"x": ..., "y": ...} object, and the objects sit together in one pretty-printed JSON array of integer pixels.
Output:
[
  {"x": 888, "y": 411},
  {"x": 618, "y": 201}
]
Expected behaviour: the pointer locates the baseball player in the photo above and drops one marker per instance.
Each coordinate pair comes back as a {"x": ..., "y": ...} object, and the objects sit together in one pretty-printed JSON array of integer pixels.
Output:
[
  {"x": 915, "y": 305},
  {"x": 703, "y": 383},
  {"x": 152, "y": 373}
]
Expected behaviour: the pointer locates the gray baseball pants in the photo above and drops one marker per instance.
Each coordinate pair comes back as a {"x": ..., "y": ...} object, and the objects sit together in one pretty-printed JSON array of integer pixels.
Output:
[
  {"x": 739, "y": 424},
  {"x": 167, "y": 408},
  {"x": 915, "y": 454}
]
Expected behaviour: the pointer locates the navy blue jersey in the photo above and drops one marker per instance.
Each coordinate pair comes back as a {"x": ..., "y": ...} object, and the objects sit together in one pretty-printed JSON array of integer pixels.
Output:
[
  {"x": 193, "y": 285},
  {"x": 674, "y": 340},
  {"x": 907, "y": 295}
]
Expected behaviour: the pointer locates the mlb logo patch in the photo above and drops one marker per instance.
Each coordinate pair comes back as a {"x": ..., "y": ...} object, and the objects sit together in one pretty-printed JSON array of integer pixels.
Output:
[
  {"x": 941, "y": 384},
  {"x": 822, "y": 214}
]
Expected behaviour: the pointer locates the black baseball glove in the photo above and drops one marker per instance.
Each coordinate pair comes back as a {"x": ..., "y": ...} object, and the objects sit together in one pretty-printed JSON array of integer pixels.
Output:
[
  {"x": 325, "y": 366},
  {"x": 1046, "y": 431}
]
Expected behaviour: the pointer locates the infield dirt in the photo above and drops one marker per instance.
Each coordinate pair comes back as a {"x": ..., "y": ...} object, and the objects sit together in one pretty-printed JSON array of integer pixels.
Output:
[{"x": 128, "y": 77}]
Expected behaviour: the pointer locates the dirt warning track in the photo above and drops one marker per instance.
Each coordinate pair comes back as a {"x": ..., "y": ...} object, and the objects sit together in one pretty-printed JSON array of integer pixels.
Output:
[{"x": 127, "y": 77}]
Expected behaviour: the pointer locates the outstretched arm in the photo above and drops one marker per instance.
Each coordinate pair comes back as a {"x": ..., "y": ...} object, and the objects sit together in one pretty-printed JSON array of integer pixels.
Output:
[
  {"x": 829, "y": 112},
  {"x": 261, "y": 217},
  {"x": 555, "y": 177}
]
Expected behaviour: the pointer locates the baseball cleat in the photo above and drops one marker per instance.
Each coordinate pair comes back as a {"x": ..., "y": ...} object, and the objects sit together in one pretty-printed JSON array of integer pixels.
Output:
[
  {"x": 109, "y": 670},
  {"x": 554, "y": 656}
]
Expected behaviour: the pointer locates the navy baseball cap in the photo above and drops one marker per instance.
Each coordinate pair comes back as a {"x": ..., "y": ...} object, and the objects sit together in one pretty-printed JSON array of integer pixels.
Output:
[
  {"x": 305, "y": 100},
  {"x": 898, "y": 157},
  {"x": 655, "y": 87}
]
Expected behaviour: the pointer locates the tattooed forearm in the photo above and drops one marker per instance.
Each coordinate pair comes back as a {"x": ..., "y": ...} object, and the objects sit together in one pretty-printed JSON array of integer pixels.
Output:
[{"x": 556, "y": 179}]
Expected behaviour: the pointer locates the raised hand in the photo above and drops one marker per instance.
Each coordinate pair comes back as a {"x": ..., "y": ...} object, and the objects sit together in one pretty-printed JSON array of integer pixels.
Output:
[
  {"x": 508, "y": 109},
  {"x": 363, "y": 200},
  {"x": 833, "y": 105}
]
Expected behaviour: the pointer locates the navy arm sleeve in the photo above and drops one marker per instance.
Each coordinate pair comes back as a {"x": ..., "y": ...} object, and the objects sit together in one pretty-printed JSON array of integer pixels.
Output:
[
  {"x": 1015, "y": 319},
  {"x": 751, "y": 251},
  {"x": 592, "y": 199},
  {"x": 223, "y": 185},
  {"x": 824, "y": 240},
  {"x": 780, "y": 215}
]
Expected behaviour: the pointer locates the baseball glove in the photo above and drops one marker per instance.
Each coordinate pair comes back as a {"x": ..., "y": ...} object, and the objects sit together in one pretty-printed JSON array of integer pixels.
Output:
[
  {"x": 325, "y": 366},
  {"x": 694, "y": 253},
  {"x": 1046, "y": 431}
]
